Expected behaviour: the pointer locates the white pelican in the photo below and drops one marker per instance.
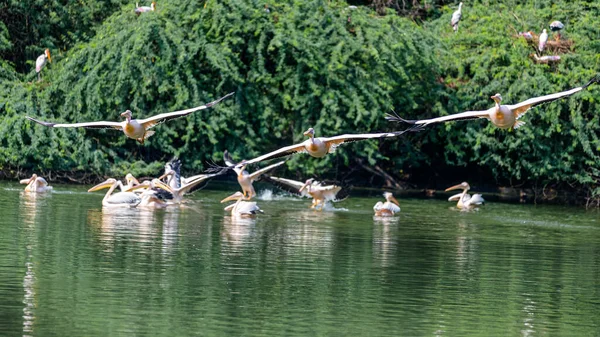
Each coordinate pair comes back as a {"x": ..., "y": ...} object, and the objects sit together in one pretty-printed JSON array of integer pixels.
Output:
[
  {"x": 320, "y": 192},
  {"x": 241, "y": 208},
  {"x": 149, "y": 197},
  {"x": 317, "y": 147},
  {"x": 543, "y": 40},
  {"x": 503, "y": 116},
  {"x": 143, "y": 9},
  {"x": 122, "y": 199},
  {"x": 387, "y": 208},
  {"x": 36, "y": 184},
  {"x": 133, "y": 128},
  {"x": 244, "y": 178},
  {"x": 465, "y": 201},
  {"x": 130, "y": 181},
  {"x": 456, "y": 17},
  {"x": 188, "y": 186},
  {"x": 40, "y": 62}
]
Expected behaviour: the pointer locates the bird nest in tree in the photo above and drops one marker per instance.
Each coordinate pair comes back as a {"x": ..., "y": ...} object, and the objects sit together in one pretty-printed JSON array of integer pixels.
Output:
[{"x": 553, "y": 46}]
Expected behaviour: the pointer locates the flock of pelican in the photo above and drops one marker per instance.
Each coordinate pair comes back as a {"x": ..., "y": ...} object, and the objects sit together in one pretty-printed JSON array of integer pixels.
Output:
[{"x": 171, "y": 187}]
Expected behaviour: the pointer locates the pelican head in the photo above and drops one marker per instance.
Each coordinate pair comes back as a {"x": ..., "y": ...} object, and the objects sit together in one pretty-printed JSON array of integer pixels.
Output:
[
  {"x": 153, "y": 5},
  {"x": 155, "y": 183},
  {"x": 310, "y": 132},
  {"x": 107, "y": 184},
  {"x": 47, "y": 52},
  {"x": 127, "y": 114},
  {"x": 462, "y": 186},
  {"x": 130, "y": 179},
  {"x": 235, "y": 196},
  {"x": 390, "y": 197},
  {"x": 497, "y": 98},
  {"x": 307, "y": 183}
]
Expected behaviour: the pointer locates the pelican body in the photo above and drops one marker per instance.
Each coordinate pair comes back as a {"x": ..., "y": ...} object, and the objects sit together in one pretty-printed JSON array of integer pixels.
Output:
[
  {"x": 244, "y": 178},
  {"x": 390, "y": 207},
  {"x": 36, "y": 184},
  {"x": 133, "y": 128},
  {"x": 122, "y": 199},
  {"x": 465, "y": 200},
  {"x": 144, "y": 9},
  {"x": 456, "y": 16},
  {"x": 240, "y": 207},
  {"x": 40, "y": 62},
  {"x": 502, "y": 116}
]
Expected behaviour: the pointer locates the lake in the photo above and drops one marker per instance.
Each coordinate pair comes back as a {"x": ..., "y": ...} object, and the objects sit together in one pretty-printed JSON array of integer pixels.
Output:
[{"x": 70, "y": 268}]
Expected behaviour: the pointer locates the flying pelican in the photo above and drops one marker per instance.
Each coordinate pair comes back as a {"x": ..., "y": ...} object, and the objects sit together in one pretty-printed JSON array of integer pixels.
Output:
[
  {"x": 557, "y": 26},
  {"x": 241, "y": 208},
  {"x": 465, "y": 201},
  {"x": 387, "y": 208},
  {"x": 456, "y": 17},
  {"x": 133, "y": 128},
  {"x": 543, "y": 40},
  {"x": 36, "y": 184},
  {"x": 317, "y": 147},
  {"x": 503, "y": 116},
  {"x": 144, "y": 9},
  {"x": 320, "y": 192},
  {"x": 149, "y": 197},
  {"x": 244, "y": 178},
  {"x": 40, "y": 62},
  {"x": 123, "y": 199}
]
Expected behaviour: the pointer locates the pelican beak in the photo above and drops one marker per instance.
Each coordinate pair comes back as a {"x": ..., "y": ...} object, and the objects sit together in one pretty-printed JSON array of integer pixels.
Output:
[
  {"x": 306, "y": 184},
  {"x": 455, "y": 187},
  {"x": 231, "y": 197},
  {"x": 165, "y": 175},
  {"x": 100, "y": 186},
  {"x": 136, "y": 187},
  {"x": 392, "y": 199},
  {"x": 310, "y": 132},
  {"x": 162, "y": 185}
]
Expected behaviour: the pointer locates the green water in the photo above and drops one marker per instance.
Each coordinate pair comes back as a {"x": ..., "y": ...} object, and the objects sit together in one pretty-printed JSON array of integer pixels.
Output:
[{"x": 68, "y": 268}]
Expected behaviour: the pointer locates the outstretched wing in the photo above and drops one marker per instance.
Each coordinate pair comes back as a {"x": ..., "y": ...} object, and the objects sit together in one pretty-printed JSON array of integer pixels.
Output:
[
  {"x": 89, "y": 125},
  {"x": 521, "y": 108},
  {"x": 256, "y": 174},
  {"x": 154, "y": 120},
  {"x": 450, "y": 118},
  {"x": 334, "y": 142},
  {"x": 228, "y": 160},
  {"x": 196, "y": 183},
  {"x": 284, "y": 151},
  {"x": 288, "y": 185}
]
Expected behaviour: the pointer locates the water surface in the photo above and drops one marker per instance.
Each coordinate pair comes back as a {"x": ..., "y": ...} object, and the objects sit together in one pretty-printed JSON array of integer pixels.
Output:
[{"x": 70, "y": 268}]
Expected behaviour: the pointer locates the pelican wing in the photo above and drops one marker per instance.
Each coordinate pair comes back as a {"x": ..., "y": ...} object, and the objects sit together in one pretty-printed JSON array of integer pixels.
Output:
[
  {"x": 333, "y": 192},
  {"x": 455, "y": 197},
  {"x": 467, "y": 115},
  {"x": 288, "y": 185},
  {"x": 521, "y": 108},
  {"x": 197, "y": 182},
  {"x": 284, "y": 151},
  {"x": 256, "y": 174},
  {"x": 89, "y": 125},
  {"x": 160, "y": 118},
  {"x": 334, "y": 142},
  {"x": 476, "y": 199},
  {"x": 228, "y": 160}
]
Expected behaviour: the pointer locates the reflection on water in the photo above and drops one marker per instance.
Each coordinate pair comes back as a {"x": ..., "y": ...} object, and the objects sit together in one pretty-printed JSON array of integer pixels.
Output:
[{"x": 70, "y": 267}]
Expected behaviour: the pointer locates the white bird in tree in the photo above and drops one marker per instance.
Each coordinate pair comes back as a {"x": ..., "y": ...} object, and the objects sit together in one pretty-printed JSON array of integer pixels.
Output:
[
  {"x": 133, "y": 128},
  {"x": 543, "y": 40},
  {"x": 40, "y": 62},
  {"x": 390, "y": 207},
  {"x": 36, "y": 184},
  {"x": 144, "y": 9},
  {"x": 465, "y": 200},
  {"x": 456, "y": 16},
  {"x": 502, "y": 116}
]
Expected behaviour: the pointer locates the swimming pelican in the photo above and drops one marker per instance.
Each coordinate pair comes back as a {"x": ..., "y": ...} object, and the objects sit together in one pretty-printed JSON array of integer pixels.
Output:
[
  {"x": 241, "y": 208},
  {"x": 456, "y": 17},
  {"x": 543, "y": 40},
  {"x": 40, "y": 62},
  {"x": 143, "y": 9},
  {"x": 465, "y": 201},
  {"x": 320, "y": 192},
  {"x": 149, "y": 197},
  {"x": 133, "y": 128},
  {"x": 317, "y": 147},
  {"x": 503, "y": 116},
  {"x": 387, "y": 208},
  {"x": 36, "y": 184},
  {"x": 246, "y": 179},
  {"x": 122, "y": 199},
  {"x": 557, "y": 26}
]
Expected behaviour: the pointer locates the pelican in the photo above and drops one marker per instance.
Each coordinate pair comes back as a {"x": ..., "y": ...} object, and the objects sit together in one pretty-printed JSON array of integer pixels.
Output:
[
  {"x": 317, "y": 146},
  {"x": 131, "y": 181},
  {"x": 502, "y": 116},
  {"x": 456, "y": 17},
  {"x": 188, "y": 186},
  {"x": 557, "y": 26},
  {"x": 150, "y": 198},
  {"x": 123, "y": 199},
  {"x": 143, "y": 9},
  {"x": 241, "y": 208},
  {"x": 133, "y": 128},
  {"x": 543, "y": 40},
  {"x": 546, "y": 58},
  {"x": 465, "y": 201},
  {"x": 40, "y": 62},
  {"x": 320, "y": 192},
  {"x": 36, "y": 184},
  {"x": 246, "y": 179},
  {"x": 387, "y": 208}
]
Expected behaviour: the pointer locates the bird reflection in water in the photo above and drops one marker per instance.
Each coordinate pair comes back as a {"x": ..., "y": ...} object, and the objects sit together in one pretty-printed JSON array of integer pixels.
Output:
[
  {"x": 385, "y": 229},
  {"x": 237, "y": 230}
]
